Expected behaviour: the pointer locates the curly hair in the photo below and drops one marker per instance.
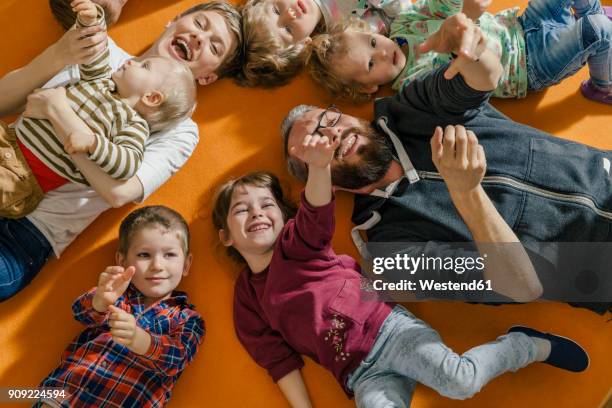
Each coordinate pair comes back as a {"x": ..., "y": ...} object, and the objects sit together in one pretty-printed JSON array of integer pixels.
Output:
[
  {"x": 323, "y": 53},
  {"x": 267, "y": 62}
]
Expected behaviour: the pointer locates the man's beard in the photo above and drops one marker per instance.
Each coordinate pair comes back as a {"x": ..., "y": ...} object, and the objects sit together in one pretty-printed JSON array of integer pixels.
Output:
[{"x": 375, "y": 160}]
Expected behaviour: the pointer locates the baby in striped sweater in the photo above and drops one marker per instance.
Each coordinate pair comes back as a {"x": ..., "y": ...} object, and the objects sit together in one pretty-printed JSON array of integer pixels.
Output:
[{"x": 121, "y": 108}]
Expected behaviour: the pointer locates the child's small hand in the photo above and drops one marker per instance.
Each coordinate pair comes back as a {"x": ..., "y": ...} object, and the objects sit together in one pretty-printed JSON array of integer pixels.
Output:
[
  {"x": 124, "y": 330},
  {"x": 123, "y": 325},
  {"x": 111, "y": 285},
  {"x": 86, "y": 11},
  {"x": 460, "y": 35},
  {"x": 80, "y": 142},
  {"x": 316, "y": 150}
]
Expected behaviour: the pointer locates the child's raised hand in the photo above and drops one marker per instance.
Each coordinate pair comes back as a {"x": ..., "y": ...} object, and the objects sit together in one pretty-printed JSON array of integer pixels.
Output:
[
  {"x": 86, "y": 11},
  {"x": 111, "y": 285},
  {"x": 460, "y": 35},
  {"x": 124, "y": 330},
  {"x": 80, "y": 142},
  {"x": 316, "y": 150}
]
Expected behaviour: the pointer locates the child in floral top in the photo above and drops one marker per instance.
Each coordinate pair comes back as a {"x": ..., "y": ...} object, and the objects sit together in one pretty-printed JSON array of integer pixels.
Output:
[
  {"x": 550, "y": 41},
  {"x": 297, "y": 296},
  {"x": 276, "y": 31},
  {"x": 140, "y": 333}
]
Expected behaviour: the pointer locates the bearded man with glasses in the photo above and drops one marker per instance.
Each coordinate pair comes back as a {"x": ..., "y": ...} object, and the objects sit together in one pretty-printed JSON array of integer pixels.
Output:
[{"x": 421, "y": 178}]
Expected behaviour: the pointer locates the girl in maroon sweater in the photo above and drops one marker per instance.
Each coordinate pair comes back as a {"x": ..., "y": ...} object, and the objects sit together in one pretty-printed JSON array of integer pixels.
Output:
[{"x": 297, "y": 297}]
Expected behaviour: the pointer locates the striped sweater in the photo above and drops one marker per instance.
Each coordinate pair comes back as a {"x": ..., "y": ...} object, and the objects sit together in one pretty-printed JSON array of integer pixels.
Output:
[{"x": 120, "y": 131}]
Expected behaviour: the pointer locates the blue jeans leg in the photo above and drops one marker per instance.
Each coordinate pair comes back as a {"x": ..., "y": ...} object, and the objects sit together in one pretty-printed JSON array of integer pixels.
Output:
[
  {"x": 586, "y": 7},
  {"x": 558, "y": 45},
  {"x": 23, "y": 253},
  {"x": 408, "y": 347},
  {"x": 540, "y": 12}
]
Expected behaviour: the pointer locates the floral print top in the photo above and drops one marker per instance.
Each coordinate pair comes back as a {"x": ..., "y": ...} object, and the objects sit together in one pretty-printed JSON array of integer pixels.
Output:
[
  {"x": 378, "y": 13},
  {"x": 503, "y": 31}
]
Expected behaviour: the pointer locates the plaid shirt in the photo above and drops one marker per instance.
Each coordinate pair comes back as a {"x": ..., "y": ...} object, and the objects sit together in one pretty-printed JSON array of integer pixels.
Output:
[{"x": 96, "y": 371}]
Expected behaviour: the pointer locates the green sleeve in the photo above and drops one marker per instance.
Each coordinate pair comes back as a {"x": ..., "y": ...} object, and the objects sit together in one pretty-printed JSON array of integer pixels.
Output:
[{"x": 433, "y": 9}]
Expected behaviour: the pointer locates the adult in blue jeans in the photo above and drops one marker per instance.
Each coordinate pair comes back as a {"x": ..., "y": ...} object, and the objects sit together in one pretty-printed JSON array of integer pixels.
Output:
[
  {"x": 536, "y": 189},
  {"x": 27, "y": 243},
  {"x": 23, "y": 252}
]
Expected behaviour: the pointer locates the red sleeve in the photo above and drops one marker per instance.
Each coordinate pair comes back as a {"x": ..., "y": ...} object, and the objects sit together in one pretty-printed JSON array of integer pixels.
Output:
[
  {"x": 83, "y": 310},
  {"x": 265, "y": 345},
  {"x": 172, "y": 352},
  {"x": 310, "y": 233}
]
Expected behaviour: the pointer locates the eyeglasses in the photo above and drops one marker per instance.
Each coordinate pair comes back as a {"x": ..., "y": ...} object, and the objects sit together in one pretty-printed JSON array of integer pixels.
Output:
[{"x": 329, "y": 118}]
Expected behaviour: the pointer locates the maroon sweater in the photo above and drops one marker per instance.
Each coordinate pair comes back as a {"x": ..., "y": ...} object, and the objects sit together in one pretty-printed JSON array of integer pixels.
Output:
[{"x": 307, "y": 302}]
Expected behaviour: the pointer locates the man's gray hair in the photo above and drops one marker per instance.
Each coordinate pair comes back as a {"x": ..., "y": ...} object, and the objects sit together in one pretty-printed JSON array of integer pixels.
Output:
[{"x": 295, "y": 166}]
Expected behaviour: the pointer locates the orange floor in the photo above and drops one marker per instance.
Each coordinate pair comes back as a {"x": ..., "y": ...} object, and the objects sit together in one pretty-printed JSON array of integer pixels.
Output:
[{"x": 239, "y": 133}]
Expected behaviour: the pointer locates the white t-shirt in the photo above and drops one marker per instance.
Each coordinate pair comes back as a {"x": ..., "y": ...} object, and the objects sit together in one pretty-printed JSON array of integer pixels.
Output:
[{"x": 66, "y": 211}]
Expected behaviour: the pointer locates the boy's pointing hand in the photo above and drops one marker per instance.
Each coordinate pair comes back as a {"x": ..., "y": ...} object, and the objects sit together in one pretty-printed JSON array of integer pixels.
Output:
[{"x": 111, "y": 285}]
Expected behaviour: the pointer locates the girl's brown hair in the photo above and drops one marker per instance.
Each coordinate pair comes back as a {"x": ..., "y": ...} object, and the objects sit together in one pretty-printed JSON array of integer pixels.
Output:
[{"x": 223, "y": 199}]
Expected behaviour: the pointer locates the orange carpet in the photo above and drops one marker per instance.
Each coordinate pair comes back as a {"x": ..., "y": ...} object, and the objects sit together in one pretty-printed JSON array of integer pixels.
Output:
[{"x": 239, "y": 133}]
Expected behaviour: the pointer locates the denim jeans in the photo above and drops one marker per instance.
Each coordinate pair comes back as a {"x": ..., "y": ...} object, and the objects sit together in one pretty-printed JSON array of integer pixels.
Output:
[
  {"x": 407, "y": 350},
  {"x": 559, "y": 43},
  {"x": 23, "y": 253}
]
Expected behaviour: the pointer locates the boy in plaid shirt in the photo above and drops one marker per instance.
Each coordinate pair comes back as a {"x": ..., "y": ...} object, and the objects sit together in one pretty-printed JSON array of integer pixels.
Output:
[{"x": 141, "y": 333}]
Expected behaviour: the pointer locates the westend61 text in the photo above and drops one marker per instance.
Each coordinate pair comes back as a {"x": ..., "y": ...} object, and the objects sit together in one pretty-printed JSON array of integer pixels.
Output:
[
  {"x": 412, "y": 264},
  {"x": 429, "y": 285}
]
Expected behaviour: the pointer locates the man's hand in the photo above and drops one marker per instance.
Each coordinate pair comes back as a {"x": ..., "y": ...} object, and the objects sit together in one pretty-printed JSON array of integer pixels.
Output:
[
  {"x": 80, "y": 142},
  {"x": 473, "y": 9},
  {"x": 459, "y": 35},
  {"x": 461, "y": 162},
  {"x": 316, "y": 151},
  {"x": 124, "y": 330},
  {"x": 111, "y": 285},
  {"x": 41, "y": 101},
  {"x": 86, "y": 11},
  {"x": 459, "y": 158}
]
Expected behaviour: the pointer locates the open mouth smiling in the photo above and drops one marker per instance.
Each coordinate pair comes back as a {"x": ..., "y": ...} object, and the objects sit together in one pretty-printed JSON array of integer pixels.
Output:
[
  {"x": 259, "y": 226},
  {"x": 347, "y": 147},
  {"x": 182, "y": 49}
]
